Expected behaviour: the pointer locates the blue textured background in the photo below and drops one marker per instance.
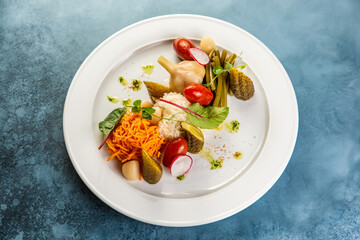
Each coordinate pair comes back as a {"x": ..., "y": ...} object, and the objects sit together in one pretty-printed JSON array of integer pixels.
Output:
[{"x": 42, "y": 44}]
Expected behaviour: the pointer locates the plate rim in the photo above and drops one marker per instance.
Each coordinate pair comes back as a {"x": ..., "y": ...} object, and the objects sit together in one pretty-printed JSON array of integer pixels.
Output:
[{"x": 255, "y": 197}]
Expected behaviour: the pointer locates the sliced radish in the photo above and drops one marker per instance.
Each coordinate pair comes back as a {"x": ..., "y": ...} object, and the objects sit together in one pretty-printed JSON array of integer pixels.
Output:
[
  {"x": 199, "y": 55},
  {"x": 180, "y": 165}
]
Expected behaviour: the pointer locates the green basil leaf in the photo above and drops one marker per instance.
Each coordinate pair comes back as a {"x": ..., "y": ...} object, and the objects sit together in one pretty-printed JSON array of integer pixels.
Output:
[
  {"x": 111, "y": 120},
  {"x": 212, "y": 116}
]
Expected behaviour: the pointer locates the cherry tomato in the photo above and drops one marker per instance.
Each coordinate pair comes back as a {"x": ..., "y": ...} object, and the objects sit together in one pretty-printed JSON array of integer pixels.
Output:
[
  {"x": 178, "y": 146},
  {"x": 181, "y": 46},
  {"x": 198, "y": 93}
]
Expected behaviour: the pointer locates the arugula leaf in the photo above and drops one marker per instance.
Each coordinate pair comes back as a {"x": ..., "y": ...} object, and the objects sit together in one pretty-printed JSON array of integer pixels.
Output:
[
  {"x": 211, "y": 118},
  {"x": 111, "y": 120}
]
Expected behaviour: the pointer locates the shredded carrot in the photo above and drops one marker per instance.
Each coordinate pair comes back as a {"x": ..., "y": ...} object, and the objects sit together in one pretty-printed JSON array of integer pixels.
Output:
[{"x": 134, "y": 134}]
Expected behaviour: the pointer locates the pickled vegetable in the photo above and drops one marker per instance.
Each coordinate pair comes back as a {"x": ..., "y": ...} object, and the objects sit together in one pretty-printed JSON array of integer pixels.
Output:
[
  {"x": 155, "y": 118},
  {"x": 194, "y": 137},
  {"x": 150, "y": 169},
  {"x": 145, "y": 104},
  {"x": 207, "y": 44},
  {"x": 183, "y": 73},
  {"x": 178, "y": 146},
  {"x": 181, "y": 46},
  {"x": 199, "y": 56},
  {"x": 198, "y": 93},
  {"x": 241, "y": 85},
  {"x": 156, "y": 90},
  {"x": 131, "y": 170},
  {"x": 180, "y": 165}
]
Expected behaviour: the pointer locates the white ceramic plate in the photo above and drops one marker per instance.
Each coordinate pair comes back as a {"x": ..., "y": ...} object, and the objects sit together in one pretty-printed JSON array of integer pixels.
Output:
[{"x": 267, "y": 134}]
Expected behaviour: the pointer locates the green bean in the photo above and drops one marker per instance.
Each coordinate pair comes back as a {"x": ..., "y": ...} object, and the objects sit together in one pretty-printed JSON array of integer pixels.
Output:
[
  {"x": 211, "y": 53},
  {"x": 231, "y": 61},
  {"x": 219, "y": 88},
  {"x": 227, "y": 58},
  {"x": 228, "y": 86},
  {"x": 222, "y": 58},
  {"x": 226, "y": 89},
  {"x": 224, "y": 95},
  {"x": 225, "y": 74},
  {"x": 207, "y": 75},
  {"x": 232, "y": 58},
  {"x": 212, "y": 85},
  {"x": 217, "y": 53}
]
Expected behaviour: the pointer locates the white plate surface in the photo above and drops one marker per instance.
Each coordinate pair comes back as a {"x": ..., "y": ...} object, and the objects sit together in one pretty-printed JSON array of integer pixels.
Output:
[{"x": 267, "y": 134}]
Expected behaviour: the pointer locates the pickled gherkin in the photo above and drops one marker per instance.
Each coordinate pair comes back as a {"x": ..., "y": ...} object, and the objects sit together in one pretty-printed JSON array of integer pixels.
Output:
[
  {"x": 241, "y": 85},
  {"x": 194, "y": 137},
  {"x": 156, "y": 90},
  {"x": 150, "y": 169}
]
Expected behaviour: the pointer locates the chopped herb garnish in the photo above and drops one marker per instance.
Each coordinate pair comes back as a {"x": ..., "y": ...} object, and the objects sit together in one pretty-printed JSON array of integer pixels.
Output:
[
  {"x": 148, "y": 69},
  {"x": 127, "y": 102},
  {"x": 234, "y": 126},
  {"x": 238, "y": 155},
  {"x": 123, "y": 81},
  {"x": 181, "y": 177},
  {"x": 136, "y": 84},
  {"x": 216, "y": 163},
  {"x": 112, "y": 99},
  {"x": 208, "y": 155}
]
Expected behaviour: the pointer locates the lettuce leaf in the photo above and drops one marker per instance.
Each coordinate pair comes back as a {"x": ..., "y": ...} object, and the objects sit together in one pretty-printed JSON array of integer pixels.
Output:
[
  {"x": 211, "y": 118},
  {"x": 111, "y": 120}
]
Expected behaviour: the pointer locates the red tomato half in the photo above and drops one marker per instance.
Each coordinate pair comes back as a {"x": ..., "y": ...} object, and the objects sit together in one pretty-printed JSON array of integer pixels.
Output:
[
  {"x": 181, "y": 46},
  {"x": 178, "y": 146},
  {"x": 198, "y": 93}
]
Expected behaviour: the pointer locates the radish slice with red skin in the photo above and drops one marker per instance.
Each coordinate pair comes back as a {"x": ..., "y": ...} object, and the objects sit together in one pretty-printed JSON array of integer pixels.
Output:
[
  {"x": 180, "y": 165},
  {"x": 199, "y": 56}
]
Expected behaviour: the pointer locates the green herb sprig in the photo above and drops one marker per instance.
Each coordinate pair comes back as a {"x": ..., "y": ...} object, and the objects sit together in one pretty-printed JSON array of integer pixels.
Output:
[
  {"x": 219, "y": 70},
  {"x": 147, "y": 112}
]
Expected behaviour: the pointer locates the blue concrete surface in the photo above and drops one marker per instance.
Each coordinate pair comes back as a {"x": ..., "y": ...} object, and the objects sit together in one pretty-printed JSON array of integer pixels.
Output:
[{"x": 42, "y": 44}]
